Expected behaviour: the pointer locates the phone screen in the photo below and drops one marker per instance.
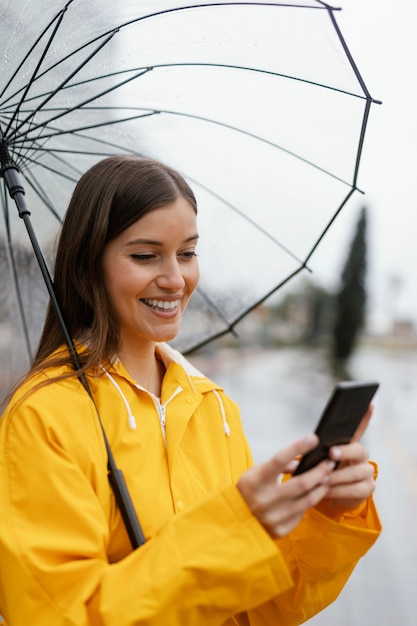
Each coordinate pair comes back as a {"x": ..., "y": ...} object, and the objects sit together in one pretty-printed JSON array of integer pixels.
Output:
[{"x": 341, "y": 417}]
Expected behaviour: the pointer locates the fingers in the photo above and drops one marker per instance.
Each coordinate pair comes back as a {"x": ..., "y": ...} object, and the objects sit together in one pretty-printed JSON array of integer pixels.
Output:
[
  {"x": 353, "y": 481},
  {"x": 279, "y": 521},
  {"x": 349, "y": 454},
  {"x": 349, "y": 495},
  {"x": 279, "y": 507},
  {"x": 279, "y": 462},
  {"x": 293, "y": 498}
]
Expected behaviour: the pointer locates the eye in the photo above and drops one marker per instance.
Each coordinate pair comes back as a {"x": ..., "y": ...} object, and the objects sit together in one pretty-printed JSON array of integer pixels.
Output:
[
  {"x": 142, "y": 257},
  {"x": 188, "y": 254}
]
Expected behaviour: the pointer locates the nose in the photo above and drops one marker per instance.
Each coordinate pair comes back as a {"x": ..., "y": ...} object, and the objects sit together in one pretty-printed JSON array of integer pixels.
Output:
[{"x": 171, "y": 276}]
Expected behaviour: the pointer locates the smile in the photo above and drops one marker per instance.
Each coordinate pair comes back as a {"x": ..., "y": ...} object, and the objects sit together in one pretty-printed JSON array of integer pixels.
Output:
[{"x": 162, "y": 305}]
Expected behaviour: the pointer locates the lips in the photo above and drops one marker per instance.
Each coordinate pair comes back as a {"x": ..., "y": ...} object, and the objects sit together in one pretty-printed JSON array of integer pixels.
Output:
[{"x": 161, "y": 305}]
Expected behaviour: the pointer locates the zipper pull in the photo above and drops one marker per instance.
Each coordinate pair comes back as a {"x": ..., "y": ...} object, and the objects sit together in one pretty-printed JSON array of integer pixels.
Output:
[{"x": 161, "y": 410}]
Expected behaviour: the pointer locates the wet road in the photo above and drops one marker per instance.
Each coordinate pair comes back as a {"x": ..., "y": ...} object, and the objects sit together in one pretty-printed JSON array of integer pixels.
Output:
[{"x": 281, "y": 394}]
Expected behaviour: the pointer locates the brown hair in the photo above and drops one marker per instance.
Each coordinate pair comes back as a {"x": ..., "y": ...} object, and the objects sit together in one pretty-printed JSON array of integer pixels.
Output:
[{"x": 108, "y": 198}]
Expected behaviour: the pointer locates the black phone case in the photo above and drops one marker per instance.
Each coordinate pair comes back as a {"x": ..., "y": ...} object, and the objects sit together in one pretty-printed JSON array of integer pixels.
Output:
[{"x": 340, "y": 419}]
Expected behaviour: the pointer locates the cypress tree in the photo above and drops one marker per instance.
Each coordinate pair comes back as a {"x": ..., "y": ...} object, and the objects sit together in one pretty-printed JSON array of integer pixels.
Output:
[{"x": 351, "y": 299}]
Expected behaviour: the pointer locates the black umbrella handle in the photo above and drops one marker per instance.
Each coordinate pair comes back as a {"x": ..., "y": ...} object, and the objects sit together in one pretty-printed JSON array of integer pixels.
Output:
[
  {"x": 124, "y": 502},
  {"x": 10, "y": 172}
]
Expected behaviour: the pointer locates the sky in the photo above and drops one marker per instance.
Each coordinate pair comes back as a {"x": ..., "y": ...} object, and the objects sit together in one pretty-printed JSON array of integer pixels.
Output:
[{"x": 381, "y": 37}]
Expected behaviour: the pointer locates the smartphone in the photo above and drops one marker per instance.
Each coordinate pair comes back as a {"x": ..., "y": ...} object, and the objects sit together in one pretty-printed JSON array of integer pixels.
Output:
[{"x": 342, "y": 415}]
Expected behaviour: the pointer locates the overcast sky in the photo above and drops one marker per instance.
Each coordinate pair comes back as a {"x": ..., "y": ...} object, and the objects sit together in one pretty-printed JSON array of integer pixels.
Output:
[{"x": 381, "y": 38}]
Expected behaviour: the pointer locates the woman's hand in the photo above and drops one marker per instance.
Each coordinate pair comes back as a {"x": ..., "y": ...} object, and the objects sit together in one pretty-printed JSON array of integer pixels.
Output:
[
  {"x": 280, "y": 506},
  {"x": 353, "y": 481}
]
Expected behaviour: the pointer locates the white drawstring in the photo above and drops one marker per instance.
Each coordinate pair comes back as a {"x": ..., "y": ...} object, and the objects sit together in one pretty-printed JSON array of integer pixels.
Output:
[
  {"x": 226, "y": 426},
  {"x": 131, "y": 418}
]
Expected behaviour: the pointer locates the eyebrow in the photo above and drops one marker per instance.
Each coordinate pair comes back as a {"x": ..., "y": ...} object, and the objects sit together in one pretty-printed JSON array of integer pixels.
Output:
[{"x": 153, "y": 242}]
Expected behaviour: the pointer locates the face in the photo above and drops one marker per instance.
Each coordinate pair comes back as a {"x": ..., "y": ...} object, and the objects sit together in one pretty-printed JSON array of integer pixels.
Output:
[{"x": 150, "y": 271}]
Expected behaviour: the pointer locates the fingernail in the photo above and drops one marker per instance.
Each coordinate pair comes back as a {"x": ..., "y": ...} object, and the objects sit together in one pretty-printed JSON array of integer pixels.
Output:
[
  {"x": 336, "y": 453},
  {"x": 331, "y": 465},
  {"x": 310, "y": 438}
]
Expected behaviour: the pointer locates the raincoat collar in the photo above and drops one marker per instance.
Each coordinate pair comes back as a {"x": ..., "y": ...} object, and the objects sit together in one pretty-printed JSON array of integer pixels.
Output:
[
  {"x": 181, "y": 373},
  {"x": 183, "y": 388}
]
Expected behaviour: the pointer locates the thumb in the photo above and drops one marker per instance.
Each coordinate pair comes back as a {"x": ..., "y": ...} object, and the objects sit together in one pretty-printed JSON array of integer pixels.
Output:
[{"x": 278, "y": 463}]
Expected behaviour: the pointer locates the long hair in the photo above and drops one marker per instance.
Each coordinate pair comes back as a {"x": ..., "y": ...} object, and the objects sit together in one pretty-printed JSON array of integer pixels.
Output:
[{"x": 108, "y": 198}]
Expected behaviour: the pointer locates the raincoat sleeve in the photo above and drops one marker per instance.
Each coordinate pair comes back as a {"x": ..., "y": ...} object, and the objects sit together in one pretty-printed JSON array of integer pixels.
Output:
[{"x": 320, "y": 554}]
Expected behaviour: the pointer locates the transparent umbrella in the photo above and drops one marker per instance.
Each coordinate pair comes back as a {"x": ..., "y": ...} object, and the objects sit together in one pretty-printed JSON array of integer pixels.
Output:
[{"x": 259, "y": 104}]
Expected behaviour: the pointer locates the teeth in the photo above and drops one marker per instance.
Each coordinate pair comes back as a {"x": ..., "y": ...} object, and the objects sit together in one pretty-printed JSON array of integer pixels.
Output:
[{"x": 164, "y": 305}]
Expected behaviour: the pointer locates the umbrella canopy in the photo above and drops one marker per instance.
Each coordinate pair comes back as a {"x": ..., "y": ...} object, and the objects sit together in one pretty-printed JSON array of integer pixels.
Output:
[{"x": 258, "y": 104}]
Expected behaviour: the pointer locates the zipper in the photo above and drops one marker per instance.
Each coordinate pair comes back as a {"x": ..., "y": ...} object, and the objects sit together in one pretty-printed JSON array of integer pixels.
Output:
[
  {"x": 161, "y": 408},
  {"x": 161, "y": 413}
]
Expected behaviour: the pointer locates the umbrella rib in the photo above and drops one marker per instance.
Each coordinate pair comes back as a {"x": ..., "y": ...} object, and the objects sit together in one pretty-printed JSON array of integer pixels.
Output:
[
  {"x": 51, "y": 169},
  {"x": 257, "y": 138},
  {"x": 245, "y": 68},
  {"x": 95, "y": 140},
  {"x": 342, "y": 204},
  {"x": 59, "y": 19},
  {"x": 76, "y": 107},
  {"x": 104, "y": 142},
  {"x": 91, "y": 126},
  {"x": 230, "y": 127},
  {"x": 196, "y": 117},
  {"x": 16, "y": 285},
  {"x": 369, "y": 99},
  {"x": 77, "y": 152},
  {"x": 60, "y": 87},
  {"x": 361, "y": 141},
  {"x": 248, "y": 219},
  {"x": 40, "y": 192},
  {"x": 350, "y": 58},
  {"x": 25, "y": 148},
  {"x": 231, "y": 324},
  {"x": 212, "y": 306},
  {"x": 58, "y": 158}
]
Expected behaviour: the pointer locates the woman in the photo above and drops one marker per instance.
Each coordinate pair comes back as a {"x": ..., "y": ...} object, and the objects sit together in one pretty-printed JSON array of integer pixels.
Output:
[{"x": 226, "y": 542}]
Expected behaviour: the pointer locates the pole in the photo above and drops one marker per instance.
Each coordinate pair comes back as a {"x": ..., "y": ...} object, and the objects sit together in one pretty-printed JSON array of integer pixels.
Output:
[{"x": 10, "y": 172}]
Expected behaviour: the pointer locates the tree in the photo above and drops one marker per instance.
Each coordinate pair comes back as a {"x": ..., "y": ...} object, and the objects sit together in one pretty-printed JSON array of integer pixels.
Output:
[{"x": 351, "y": 299}]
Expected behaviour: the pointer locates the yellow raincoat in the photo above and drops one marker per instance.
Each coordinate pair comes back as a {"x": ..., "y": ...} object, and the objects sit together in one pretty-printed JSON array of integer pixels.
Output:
[{"x": 65, "y": 558}]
